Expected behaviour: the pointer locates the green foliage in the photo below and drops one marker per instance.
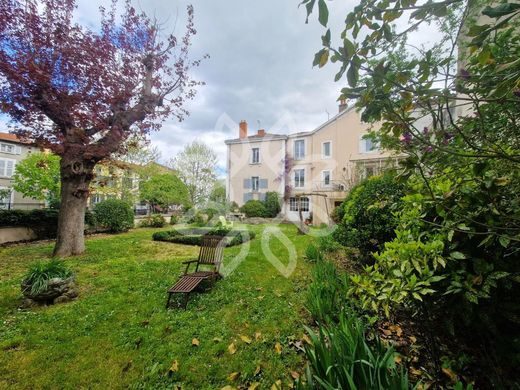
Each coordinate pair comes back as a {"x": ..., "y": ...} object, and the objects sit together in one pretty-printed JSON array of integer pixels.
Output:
[
  {"x": 338, "y": 213},
  {"x": 164, "y": 189},
  {"x": 41, "y": 272},
  {"x": 254, "y": 208},
  {"x": 272, "y": 204},
  {"x": 233, "y": 206},
  {"x": 327, "y": 244},
  {"x": 368, "y": 220},
  {"x": 174, "y": 219},
  {"x": 327, "y": 294},
  {"x": 312, "y": 254},
  {"x": 38, "y": 177},
  {"x": 218, "y": 193},
  {"x": 153, "y": 220},
  {"x": 340, "y": 357},
  {"x": 114, "y": 215},
  {"x": 193, "y": 236},
  {"x": 197, "y": 218}
]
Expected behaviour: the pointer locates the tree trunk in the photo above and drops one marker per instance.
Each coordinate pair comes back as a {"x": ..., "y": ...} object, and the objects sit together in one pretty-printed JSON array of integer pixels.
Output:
[{"x": 76, "y": 175}]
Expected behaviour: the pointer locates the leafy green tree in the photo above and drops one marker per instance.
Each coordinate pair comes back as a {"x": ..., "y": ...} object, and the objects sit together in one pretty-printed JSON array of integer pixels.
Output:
[
  {"x": 163, "y": 190},
  {"x": 38, "y": 177},
  {"x": 218, "y": 193},
  {"x": 196, "y": 167}
]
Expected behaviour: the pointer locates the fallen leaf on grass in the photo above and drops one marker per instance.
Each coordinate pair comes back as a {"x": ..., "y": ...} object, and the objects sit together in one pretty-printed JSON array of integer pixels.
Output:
[
  {"x": 398, "y": 359},
  {"x": 307, "y": 339},
  {"x": 246, "y": 339},
  {"x": 278, "y": 348},
  {"x": 295, "y": 375},
  {"x": 450, "y": 374},
  {"x": 258, "y": 335},
  {"x": 260, "y": 297},
  {"x": 217, "y": 339},
  {"x": 254, "y": 386},
  {"x": 174, "y": 367},
  {"x": 231, "y": 348},
  {"x": 277, "y": 385},
  {"x": 233, "y": 376},
  {"x": 257, "y": 370},
  {"x": 413, "y": 339},
  {"x": 278, "y": 294},
  {"x": 259, "y": 289},
  {"x": 195, "y": 342},
  {"x": 228, "y": 388},
  {"x": 396, "y": 329},
  {"x": 414, "y": 371}
]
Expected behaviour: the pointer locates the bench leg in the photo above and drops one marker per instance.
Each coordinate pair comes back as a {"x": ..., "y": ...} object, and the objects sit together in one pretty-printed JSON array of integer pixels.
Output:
[
  {"x": 186, "y": 299},
  {"x": 168, "y": 302}
]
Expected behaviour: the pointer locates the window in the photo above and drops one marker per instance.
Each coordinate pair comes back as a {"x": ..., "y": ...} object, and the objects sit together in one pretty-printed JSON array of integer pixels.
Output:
[
  {"x": 299, "y": 149},
  {"x": 255, "y": 156},
  {"x": 326, "y": 178},
  {"x": 367, "y": 145},
  {"x": 6, "y": 197},
  {"x": 303, "y": 201},
  {"x": 326, "y": 149},
  {"x": 7, "y": 148},
  {"x": 255, "y": 183},
  {"x": 299, "y": 178},
  {"x": 6, "y": 167}
]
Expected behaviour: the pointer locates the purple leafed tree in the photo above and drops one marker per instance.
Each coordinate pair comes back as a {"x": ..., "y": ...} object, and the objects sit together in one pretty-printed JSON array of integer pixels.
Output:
[{"x": 82, "y": 92}]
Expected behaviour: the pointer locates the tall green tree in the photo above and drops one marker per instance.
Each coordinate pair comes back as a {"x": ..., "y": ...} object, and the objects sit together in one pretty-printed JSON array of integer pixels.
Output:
[
  {"x": 38, "y": 177},
  {"x": 196, "y": 166},
  {"x": 163, "y": 190}
]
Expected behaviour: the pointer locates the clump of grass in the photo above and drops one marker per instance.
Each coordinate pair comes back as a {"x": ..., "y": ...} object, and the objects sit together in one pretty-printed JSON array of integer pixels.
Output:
[
  {"x": 312, "y": 254},
  {"x": 39, "y": 274}
]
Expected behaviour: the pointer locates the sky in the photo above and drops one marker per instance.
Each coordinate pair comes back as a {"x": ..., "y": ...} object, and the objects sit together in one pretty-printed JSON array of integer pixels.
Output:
[{"x": 259, "y": 70}]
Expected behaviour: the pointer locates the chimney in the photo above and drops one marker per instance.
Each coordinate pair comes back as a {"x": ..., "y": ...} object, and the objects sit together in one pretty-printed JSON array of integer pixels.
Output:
[
  {"x": 261, "y": 133},
  {"x": 242, "y": 132},
  {"x": 343, "y": 105}
]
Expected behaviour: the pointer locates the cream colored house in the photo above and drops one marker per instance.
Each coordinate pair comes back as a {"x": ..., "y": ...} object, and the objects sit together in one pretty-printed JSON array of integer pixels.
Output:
[
  {"x": 310, "y": 170},
  {"x": 12, "y": 151}
]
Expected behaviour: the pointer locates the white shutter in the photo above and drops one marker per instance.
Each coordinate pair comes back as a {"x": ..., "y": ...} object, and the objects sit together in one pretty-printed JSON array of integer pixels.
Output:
[
  {"x": 2, "y": 167},
  {"x": 18, "y": 150},
  {"x": 9, "y": 168}
]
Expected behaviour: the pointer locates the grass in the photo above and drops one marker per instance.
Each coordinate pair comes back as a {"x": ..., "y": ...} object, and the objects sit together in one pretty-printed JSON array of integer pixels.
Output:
[{"x": 119, "y": 335}]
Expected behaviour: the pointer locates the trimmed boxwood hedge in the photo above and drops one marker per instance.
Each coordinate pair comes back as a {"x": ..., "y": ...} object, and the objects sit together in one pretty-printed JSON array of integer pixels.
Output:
[
  {"x": 193, "y": 236},
  {"x": 44, "y": 222}
]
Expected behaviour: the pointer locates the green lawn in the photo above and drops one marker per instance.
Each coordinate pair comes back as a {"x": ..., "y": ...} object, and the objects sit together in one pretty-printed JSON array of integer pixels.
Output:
[{"x": 119, "y": 335}]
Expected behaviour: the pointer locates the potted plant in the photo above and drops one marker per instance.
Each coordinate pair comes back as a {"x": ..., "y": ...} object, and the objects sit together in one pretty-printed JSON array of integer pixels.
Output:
[{"x": 49, "y": 282}]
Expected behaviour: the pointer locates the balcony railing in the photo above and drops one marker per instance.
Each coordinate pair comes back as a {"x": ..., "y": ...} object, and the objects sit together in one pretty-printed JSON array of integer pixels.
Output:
[{"x": 331, "y": 186}]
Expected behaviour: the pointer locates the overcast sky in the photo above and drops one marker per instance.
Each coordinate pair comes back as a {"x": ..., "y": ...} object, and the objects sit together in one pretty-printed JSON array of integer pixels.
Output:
[{"x": 260, "y": 68}]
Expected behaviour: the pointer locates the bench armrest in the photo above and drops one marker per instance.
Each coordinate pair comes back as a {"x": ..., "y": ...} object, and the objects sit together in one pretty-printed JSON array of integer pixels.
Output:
[{"x": 189, "y": 261}]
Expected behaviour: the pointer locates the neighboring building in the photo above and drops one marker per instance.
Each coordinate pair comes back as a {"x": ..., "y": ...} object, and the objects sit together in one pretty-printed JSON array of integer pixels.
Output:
[
  {"x": 121, "y": 180},
  {"x": 12, "y": 151},
  {"x": 310, "y": 170}
]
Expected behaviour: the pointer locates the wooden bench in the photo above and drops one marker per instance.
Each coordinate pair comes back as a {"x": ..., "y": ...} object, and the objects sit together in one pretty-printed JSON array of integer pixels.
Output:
[{"x": 210, "y": 255}]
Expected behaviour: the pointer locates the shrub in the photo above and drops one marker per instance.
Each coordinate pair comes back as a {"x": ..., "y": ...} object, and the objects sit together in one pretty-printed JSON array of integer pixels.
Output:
[
  {"x": 312, "y": 254},
  {"x": 254, "y": 208},
  {"x": 233, "y": 206},
  {"x": 90, "y": 219},
  {"x": 327, "y": 293},
  {"x": 338, "y": 213},
  {"x": 114, "y": 215},
  {"x": 193, "y": 236},
  {"x": 327, "y": 244},
  {"x": 210, "y": 212},
  {"x": 154, "y": 220},
  {"x": 341, "y": 358},
  {"x": 41, "y": 272},
  {"x": 272, "y": 204},
  {"x": 174, "y": 219},
  {"x": 197, "y": 219},
  {"x": 369, "y": 219}
]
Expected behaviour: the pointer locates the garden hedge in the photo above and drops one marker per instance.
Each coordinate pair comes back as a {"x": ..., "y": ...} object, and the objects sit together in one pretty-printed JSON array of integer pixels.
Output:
[
  {"x": 44, "y": 222},
  {"x": 193, "y": 236}
]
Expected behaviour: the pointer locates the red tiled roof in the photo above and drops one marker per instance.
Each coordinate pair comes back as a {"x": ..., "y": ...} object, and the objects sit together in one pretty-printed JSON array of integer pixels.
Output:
[{"x": 9, "y": 137}]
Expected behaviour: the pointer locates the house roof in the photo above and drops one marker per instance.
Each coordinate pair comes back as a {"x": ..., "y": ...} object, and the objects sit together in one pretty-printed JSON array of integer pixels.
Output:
[
  {"x": 271, "y": 136},
  {"x": 256, "y": 138},
  {"x": 9, "y": 137}
]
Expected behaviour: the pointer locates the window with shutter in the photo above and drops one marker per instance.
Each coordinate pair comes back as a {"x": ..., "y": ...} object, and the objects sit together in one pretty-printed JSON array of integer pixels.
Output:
[{"x": 6, "y": 167}]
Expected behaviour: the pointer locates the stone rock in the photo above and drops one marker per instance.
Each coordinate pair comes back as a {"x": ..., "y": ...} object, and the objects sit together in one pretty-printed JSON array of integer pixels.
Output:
[
  {"x": 28, "y": 303},
  {"x": 62, "y": 299},
  {"x": 56, "y": 287}
]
